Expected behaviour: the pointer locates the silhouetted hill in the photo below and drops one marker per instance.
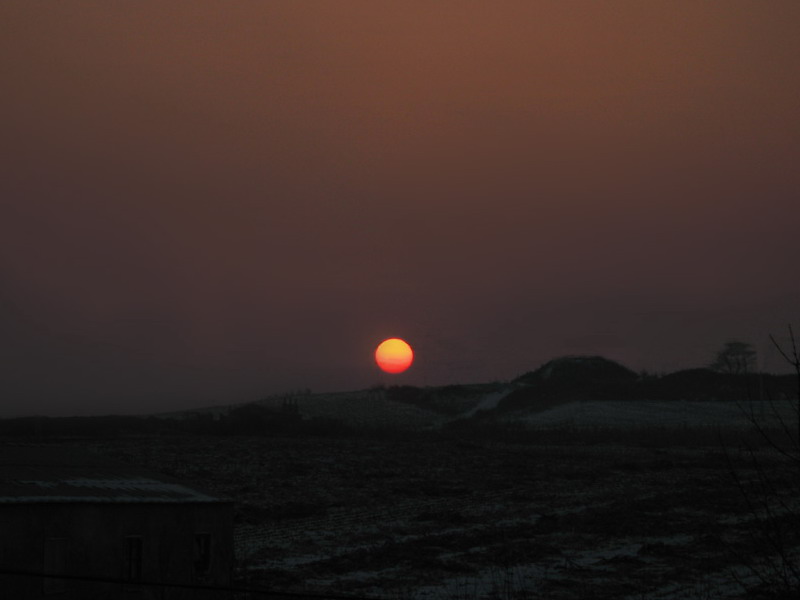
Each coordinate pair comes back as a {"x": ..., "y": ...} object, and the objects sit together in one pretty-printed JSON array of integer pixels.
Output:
[
  {"x": 709, "y": 385},
  {"x": 570, "y": 378},
  {"x": 696, "y": 384},
  {"x": 578, "y": 370},
  {"x": 594, "y": 378}
]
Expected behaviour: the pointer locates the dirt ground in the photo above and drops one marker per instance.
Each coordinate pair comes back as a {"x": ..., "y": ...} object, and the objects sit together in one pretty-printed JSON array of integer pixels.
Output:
[{"x": 454, "y": 519}]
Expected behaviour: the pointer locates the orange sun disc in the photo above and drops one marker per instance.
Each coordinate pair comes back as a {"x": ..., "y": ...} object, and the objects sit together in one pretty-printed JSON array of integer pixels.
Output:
[{"x": 394, "y": 355}]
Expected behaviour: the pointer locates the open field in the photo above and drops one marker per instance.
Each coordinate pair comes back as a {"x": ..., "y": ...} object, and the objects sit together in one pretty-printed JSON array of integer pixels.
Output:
[{"x": 457, "y": 519}]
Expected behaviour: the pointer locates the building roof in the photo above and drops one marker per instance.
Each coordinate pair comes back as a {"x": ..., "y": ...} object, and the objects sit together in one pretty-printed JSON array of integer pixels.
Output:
[{"x": 55, "y": 474}]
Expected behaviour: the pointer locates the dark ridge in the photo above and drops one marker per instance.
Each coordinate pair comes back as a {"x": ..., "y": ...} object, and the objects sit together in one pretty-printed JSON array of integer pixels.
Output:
[
  {"x": 710, "y": 385},
  {"x": 561, "y": 380},
  {"x": 578, "y": 370},
  {"x": 448, "y": 400},
  {"x": 698, "y": 384},
  {"x": 570, "y": 378}
]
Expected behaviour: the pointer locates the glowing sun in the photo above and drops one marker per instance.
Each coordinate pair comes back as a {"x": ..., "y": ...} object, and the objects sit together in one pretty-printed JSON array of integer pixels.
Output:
[{"x": 394, "y": 355}]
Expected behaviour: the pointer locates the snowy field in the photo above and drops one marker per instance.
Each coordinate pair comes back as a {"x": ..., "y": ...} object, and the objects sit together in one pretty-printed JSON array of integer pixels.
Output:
[
  {"x": 371, "y": 409},
  {"x": 649, "y": 413},
  {"x": 433, "y": 518}
]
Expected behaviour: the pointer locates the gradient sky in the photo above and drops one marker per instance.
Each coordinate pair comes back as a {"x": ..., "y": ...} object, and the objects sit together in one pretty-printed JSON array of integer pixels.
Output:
[{"x": 209, "y": 202}]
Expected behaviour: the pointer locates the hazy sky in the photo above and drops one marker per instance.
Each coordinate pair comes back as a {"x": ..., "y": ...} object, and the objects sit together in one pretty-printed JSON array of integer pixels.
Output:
[{"x": 208, "y": 202}]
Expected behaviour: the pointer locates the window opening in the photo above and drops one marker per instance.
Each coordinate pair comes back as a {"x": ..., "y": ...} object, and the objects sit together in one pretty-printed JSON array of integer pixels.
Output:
[
  {"x": 202, "y": 553},
  {"x": 133, "y": 559}
]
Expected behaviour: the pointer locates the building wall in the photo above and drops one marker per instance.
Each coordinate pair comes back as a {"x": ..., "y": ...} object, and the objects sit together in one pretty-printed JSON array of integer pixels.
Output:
[{"x": 95, "y": 544}]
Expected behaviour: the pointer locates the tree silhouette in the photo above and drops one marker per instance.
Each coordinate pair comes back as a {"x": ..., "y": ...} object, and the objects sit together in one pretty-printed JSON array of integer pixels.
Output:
[{"x": 735, "y": 358}]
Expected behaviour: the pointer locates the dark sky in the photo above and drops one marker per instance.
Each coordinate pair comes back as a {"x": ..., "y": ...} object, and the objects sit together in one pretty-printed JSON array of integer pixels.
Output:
[{"x": 209, "y": 202}]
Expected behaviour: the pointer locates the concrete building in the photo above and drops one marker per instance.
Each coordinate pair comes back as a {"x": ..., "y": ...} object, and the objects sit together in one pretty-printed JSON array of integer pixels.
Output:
[{"x": 76, "y": 514}]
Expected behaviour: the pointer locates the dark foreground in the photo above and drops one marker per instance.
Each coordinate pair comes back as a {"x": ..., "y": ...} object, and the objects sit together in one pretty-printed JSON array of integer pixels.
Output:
[{"x": 463, "y": 519}]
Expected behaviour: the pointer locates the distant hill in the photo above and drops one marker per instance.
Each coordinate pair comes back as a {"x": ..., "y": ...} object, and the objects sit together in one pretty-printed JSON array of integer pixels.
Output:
[
  {"x": 585, "y": 379},
  {"x": 570, "y": 378},
  {"x": 708, "y": 385},
  {"x": 573, "y": 389},
  {"x": 578, "y": 370},
  {"x": 697, "y": 384}
]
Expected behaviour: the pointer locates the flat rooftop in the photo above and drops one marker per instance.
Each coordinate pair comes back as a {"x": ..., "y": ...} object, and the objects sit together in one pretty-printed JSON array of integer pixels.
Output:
[{"x": 54, "y": 474}]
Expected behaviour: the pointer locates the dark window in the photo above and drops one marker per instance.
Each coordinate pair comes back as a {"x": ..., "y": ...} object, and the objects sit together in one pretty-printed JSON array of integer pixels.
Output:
[
  {"x": 133, "y": 558},
  {"x": 202, "y": 553},
  {"x": 55, "y": 558}
]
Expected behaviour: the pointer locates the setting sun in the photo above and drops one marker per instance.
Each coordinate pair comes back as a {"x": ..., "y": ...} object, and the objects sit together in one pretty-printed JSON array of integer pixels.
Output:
[{"x": 394, "y": 355}]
